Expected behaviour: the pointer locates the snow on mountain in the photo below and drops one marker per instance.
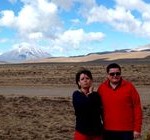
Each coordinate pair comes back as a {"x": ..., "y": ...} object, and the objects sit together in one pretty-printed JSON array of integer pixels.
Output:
[
  {"x": 23, "y": 53},
  {"x": 142, "y": 48}
]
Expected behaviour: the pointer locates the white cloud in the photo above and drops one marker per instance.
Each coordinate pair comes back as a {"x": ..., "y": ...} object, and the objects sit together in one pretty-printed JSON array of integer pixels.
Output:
[
  {"x": 8, "y": 18},
  {"x": 35, "y": 16},
  {"x": 72, "y": 39},
  {"x": 36, "y": 19},
  {"x": 94, "y": 36},
  {"x": 58, "y": 49},
  {"x": 123, "y": 20},
  {"x": 122, "y": 17},
  {"x": 119, "y": 18},
  {"x": 47, "y": 7},
  {"x": 64, "y": 4},
  {"x": 146, "y": 28},
  {"x": 130, "y": 4},
  {"x": 138, "y": 5},
  {"x": 146, "y": 16},
  {"x": 27, "y": 20},
  {"x": 75, "y": 37},
  {"x": 36, "y": 35},
  {"x": 20, "y": 45}
]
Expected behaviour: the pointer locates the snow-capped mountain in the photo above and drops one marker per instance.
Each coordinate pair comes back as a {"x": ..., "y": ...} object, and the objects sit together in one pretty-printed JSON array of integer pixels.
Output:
[{"x": 23, "y": 53}]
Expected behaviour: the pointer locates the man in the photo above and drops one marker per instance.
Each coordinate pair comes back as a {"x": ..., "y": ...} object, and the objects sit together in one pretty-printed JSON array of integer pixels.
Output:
[{"x": 122, "y": 113}]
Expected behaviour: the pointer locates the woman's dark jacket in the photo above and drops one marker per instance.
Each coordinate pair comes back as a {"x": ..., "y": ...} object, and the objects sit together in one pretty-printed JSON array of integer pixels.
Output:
[{"x": 88, "y": 113}]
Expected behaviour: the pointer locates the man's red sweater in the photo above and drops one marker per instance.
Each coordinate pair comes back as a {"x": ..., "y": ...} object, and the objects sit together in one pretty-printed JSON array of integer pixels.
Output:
[{"x": 121, "y": 107}]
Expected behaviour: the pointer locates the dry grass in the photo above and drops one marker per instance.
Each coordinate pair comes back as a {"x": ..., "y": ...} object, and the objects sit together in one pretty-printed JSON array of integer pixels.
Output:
[
  {"x": 49, "y": 74},
  {"x": 24, "y": 118}
]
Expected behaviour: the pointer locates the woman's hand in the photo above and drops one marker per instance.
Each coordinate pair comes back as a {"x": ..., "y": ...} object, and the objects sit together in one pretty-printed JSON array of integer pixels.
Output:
[{"x": 91, "y": 89}]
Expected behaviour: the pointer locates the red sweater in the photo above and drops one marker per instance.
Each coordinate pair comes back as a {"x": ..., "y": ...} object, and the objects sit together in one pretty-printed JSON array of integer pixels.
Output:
[{"x": 121, "y": 107}]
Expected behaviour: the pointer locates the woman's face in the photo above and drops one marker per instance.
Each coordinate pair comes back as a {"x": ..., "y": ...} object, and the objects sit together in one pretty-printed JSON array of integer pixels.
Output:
[{"x": 84, "y": 81}]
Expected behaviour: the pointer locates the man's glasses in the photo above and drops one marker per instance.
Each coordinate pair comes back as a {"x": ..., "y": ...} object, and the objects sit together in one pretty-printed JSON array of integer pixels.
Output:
[{"x": 115, "y": 73}]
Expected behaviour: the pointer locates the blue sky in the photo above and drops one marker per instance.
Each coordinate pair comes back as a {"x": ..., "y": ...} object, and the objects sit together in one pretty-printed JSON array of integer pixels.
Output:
[{"x": 74, "y": 27}]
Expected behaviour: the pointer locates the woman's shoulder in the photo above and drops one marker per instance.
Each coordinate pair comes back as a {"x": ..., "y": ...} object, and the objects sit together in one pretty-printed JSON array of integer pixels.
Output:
[{"x": 76, "y": 92}]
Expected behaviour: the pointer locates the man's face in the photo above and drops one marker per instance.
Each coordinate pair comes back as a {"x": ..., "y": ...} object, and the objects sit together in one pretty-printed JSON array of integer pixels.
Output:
[{"x": 114, "y": 75}]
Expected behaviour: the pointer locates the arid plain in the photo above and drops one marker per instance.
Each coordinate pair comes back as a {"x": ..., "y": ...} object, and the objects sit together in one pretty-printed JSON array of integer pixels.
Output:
[{"x": 35, "y": 98}]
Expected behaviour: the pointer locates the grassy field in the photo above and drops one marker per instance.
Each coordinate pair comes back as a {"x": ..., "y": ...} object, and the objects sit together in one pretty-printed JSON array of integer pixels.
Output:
[{"x": 55, "y": 74}]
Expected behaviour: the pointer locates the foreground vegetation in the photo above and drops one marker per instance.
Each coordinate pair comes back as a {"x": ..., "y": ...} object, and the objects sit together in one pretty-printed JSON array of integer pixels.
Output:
[{"x": 43, "y": 118}]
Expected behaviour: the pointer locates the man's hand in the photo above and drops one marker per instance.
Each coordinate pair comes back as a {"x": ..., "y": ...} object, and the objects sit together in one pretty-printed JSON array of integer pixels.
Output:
[{"x": 136, "y": 134}]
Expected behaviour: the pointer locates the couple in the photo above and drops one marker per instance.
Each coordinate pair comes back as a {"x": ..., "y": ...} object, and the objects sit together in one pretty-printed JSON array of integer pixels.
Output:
[{"x": 112, "y": 113}]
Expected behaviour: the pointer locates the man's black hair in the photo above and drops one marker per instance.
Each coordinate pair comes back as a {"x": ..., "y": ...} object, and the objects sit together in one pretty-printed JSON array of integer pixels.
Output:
[{"x": 113, "y": 65}]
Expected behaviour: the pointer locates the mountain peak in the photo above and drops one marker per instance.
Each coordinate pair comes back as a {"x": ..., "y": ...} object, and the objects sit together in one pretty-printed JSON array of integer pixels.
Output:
[{"x": 23, "y": 53}]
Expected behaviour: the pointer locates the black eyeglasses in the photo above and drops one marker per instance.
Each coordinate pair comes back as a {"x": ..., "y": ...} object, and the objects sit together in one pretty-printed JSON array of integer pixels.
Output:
[{"x": 115, "y": 73}]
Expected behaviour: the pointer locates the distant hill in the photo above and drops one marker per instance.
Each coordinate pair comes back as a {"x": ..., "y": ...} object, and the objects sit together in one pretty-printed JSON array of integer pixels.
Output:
[{"x": 116, "y": 55}]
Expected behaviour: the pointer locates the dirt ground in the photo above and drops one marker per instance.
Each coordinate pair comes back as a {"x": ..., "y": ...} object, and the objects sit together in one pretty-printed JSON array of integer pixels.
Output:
[
  {"x": 47, "y": 117},
  {"x": 35, "y": 99}
]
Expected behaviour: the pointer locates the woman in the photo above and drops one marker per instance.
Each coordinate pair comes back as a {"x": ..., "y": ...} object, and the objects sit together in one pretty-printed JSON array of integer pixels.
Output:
[{"x": 87, "y": 108}]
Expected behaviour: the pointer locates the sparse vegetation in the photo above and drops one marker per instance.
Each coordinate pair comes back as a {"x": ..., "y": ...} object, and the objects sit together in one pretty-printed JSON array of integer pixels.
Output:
[{"x": 47, "y": 74}]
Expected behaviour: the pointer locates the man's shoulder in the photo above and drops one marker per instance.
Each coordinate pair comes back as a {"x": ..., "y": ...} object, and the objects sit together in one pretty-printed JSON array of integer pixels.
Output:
[
  {"x": 104, "y": 83},
  {"x": 124, "y": 81}
]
